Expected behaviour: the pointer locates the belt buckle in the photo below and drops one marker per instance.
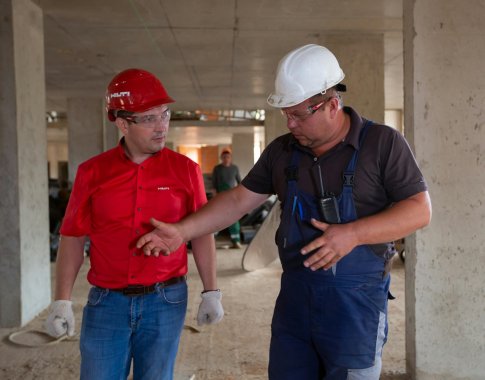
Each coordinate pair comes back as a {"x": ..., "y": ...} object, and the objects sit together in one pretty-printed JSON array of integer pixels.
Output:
[{"x": 136, "y": 290}]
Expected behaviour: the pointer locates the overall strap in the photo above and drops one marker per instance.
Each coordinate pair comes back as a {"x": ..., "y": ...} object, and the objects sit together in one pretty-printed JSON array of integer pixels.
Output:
[
  {"x": 291, "y": 173},
  {"x": 350, "y": 170}
]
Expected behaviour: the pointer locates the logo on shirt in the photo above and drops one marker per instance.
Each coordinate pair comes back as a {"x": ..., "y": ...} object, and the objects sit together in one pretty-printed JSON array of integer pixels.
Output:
[{"x": 161, "y": 188}]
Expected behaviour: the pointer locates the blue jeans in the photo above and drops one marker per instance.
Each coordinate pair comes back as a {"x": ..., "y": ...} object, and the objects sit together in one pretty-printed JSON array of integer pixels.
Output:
[{"x": 118, "y": 328}]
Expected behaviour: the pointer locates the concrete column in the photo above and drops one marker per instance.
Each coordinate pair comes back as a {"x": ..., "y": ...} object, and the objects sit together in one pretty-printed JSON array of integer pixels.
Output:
[
  {"x": 86, "y": 132},
  {"x": 362, "y": 60},
  {"x": 243, "y": 152},
  {"x": 24, "y": 236},
  {"x": 394, "y": 119},
  {"x": 445, "y": 124}
]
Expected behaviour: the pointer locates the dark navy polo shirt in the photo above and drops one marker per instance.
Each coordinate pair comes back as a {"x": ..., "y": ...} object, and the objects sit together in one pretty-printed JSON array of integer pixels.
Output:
[{"x": 386, "y": 171}]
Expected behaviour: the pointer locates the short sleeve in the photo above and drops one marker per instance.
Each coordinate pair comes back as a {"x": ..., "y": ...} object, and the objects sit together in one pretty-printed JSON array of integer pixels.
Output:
[{"x": 77, "y": 219}]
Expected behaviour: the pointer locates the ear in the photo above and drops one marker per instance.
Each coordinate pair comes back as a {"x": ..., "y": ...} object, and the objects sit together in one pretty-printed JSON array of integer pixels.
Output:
[
  {"x": 122, "y": 125},
  {"x": 334, "y": 107}
]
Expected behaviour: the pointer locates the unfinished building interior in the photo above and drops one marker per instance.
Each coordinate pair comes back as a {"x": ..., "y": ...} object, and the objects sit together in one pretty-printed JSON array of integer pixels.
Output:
[{"x": 416, "y": 65}]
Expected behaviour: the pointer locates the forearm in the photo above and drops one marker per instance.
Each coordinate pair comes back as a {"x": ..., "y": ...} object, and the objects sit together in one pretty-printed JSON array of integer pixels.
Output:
[
  {"x": 223, "y": 210},
  {"x": 400, "y": 220},
  {"x": 70, "y": 257},
  {"x": 204, "y": 253}
]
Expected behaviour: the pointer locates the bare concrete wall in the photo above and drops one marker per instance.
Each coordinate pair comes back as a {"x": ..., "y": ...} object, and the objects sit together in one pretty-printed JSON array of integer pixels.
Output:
[
  {"x": 362, "y": 60},
  {"x": 243, "y": 152},
  {"x": 445, "y": 122},
  {"x": 86, "y": 131},
  {"x": 111, "y": 134},
  {"x": 24, "y": 260}
]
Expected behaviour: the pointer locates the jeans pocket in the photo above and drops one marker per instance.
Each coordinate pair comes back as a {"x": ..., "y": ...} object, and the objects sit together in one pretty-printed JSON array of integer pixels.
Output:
[
  {"x": 96, "y": 295},
  {"x": 174, "y": 294}
]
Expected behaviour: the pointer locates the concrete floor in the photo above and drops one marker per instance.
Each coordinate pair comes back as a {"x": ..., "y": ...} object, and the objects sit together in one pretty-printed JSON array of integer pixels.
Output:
[{"x": 235, "y": 349}]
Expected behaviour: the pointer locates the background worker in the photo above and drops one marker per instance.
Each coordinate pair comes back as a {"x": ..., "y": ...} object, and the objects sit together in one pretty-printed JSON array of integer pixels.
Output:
[
  {"x": 226, "y": 176},
  {"x": 137, "y": 304},
  {"x": 348, "y": 187}
]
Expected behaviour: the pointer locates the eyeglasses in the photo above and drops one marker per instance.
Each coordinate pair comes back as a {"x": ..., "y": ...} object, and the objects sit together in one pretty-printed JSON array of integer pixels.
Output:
[
  {"x": 310, "y": 111},
  {"x": 149, "y": 120}
]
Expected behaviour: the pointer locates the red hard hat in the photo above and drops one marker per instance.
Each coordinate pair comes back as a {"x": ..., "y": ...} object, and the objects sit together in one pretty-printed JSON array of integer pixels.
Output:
[{"x": 134, "y": 90}]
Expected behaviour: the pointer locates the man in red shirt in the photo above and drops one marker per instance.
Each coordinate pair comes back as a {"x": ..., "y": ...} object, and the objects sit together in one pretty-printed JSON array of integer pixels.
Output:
[{"x": 137, "y": 305}]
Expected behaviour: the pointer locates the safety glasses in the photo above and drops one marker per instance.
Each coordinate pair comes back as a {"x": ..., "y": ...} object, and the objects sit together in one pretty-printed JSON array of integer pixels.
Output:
[
  {"x": 309, "y": 111},
  {"x": 148, "y": 120}
]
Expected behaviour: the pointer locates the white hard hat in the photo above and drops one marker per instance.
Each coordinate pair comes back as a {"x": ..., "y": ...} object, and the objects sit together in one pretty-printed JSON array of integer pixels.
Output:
[{"x": 304, "y": 72}]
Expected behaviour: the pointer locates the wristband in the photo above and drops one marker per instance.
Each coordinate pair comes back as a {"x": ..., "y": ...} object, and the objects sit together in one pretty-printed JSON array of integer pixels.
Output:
[{"x": 214, "y": 290}]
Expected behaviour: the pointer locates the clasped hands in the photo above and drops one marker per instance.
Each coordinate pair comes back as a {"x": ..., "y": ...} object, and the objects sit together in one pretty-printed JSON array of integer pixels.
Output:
[
  {"x": 336, "y": 241},
  {"x": 164, "y": 239}
]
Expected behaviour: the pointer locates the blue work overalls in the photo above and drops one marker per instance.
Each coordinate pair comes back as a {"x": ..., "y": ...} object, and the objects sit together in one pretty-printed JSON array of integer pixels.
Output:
[{"x": 326, "y": 323}]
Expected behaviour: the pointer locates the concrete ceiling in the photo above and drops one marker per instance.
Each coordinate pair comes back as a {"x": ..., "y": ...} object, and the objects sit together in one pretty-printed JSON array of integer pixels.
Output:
[{"x": 210, "y": 54}]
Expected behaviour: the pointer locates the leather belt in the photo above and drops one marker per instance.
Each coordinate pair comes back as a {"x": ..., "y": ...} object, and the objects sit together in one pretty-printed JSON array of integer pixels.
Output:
[{"x": 140, "y": 290}]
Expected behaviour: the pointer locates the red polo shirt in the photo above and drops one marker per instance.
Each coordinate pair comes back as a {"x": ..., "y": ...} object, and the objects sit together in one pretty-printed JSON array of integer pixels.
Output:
[{"x": 112, "y": 201}]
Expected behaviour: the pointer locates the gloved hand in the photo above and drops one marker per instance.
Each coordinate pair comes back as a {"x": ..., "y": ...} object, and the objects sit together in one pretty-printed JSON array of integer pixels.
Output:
[
  {"x": 210, "y": 308},
  {"x": 61, "y": 319}
]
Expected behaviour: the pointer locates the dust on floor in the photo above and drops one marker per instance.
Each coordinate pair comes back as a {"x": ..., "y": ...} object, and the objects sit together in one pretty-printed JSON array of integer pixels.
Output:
[{"x": 237, "y": 348}]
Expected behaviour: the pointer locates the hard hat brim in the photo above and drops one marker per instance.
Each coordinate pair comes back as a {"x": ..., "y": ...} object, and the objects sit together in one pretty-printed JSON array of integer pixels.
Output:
[{"x": 279, "y": 101}]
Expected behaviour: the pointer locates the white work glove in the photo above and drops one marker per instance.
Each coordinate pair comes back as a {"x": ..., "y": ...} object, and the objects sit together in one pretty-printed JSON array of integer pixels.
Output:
[
  {"x": 210, "y": 308},
  {"x": 61, "y": 319}
]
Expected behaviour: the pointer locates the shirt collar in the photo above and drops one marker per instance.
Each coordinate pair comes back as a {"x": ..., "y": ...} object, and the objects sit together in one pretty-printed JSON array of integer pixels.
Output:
[
  {"x": 123, "y": 156},
  {"x": 121, "y": 150},
  {"x": 356, "y": 125}
]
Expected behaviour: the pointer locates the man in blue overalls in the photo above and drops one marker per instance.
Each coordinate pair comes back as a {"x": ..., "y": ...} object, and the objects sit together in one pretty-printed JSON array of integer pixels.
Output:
[{"x": 348, "y": 188}]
